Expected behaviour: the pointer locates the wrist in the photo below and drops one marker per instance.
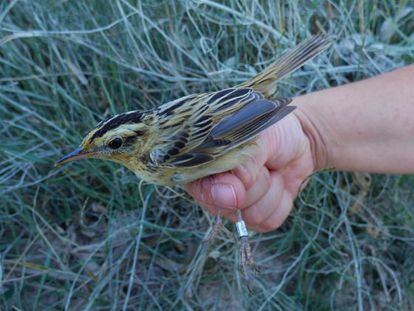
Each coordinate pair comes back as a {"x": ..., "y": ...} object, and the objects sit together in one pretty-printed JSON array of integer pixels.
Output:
[{"x": 312, "y": 127}]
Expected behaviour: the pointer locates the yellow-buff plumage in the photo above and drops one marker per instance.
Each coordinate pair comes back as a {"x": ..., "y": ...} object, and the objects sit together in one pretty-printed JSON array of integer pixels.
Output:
[{"x": 199, "y": 134}]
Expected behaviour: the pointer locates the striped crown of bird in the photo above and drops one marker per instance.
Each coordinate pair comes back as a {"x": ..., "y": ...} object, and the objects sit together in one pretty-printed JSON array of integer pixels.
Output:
[{"x": 199, "y": 134}]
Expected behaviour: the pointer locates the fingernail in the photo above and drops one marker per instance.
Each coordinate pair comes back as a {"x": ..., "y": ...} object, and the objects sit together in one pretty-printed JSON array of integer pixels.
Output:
[{"x": 224, "y": 196}]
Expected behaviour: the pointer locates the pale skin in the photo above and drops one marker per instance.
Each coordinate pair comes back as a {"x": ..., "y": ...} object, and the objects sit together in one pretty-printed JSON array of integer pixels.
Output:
[{"x": 366, "y": 126}]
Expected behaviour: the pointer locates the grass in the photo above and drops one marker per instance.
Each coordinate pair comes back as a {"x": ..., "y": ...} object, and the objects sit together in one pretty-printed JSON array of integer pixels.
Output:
[{"x": 90, "y": 236}]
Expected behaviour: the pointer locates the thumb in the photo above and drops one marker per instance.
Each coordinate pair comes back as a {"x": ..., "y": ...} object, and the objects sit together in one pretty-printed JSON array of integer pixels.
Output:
[{"x": 224, "y": 190}]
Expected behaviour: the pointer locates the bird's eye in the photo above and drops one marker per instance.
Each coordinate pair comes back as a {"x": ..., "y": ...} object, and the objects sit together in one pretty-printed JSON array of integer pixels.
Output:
[{"x": 115, "y": 143}]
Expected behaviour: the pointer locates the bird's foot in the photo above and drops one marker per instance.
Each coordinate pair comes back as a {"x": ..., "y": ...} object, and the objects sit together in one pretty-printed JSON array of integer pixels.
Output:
[
  {"x": 247, "y": 264},
  {"x": 246, "y": 257},
  {"x": 214, "y": 230}
]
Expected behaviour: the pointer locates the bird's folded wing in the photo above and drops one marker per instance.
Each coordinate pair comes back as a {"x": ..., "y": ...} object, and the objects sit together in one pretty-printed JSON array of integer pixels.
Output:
[{"x": 208, "y": 132}]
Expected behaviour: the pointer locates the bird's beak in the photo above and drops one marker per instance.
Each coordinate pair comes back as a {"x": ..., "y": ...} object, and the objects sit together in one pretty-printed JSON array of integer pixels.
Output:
[{"x": 77, "y": 154}]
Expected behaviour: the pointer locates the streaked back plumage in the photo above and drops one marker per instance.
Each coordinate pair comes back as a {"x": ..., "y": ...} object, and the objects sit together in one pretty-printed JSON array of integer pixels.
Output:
[
  {"x": 199, "y": 134},
  {"x": 211, "y": 124}
]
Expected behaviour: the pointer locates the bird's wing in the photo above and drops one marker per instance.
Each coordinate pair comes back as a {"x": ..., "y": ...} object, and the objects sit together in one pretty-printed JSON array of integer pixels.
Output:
[{"x": 199, "y": 128}]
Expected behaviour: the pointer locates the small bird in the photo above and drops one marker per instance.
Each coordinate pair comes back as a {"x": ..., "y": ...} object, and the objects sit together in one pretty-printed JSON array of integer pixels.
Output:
[{"x": 199, "y": 134}]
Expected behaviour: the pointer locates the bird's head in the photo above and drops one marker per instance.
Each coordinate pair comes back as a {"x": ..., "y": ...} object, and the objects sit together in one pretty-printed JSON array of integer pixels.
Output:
[{"x": 121, "y": 138}]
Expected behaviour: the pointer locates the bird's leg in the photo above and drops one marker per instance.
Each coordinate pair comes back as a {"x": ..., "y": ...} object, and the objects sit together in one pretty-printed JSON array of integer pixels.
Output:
[
  {"x": 246, "y": 257},
  {"x": 213, "y": 232}
]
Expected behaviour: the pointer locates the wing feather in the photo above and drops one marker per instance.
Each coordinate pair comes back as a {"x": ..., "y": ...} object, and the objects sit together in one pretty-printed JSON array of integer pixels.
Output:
[
  {"x": 199, "y": 128},
  {"x": 244, "y": 125},
  {"x": 191, "y": 159}
]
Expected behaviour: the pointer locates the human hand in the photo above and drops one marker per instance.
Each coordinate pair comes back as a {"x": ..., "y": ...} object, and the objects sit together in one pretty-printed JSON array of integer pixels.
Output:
[
  {"x": 363, "y": 131},
  {"x": 265, "y": 186}
]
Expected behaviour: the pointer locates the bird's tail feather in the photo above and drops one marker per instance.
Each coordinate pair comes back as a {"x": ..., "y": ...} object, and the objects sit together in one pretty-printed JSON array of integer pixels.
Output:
[{"x": 265, "y": 82}]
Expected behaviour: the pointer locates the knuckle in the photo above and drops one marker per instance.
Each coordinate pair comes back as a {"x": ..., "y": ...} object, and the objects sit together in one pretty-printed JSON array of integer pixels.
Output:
[
  {"x": 205, "y": 188},
  {"x": 246, "y": 172},
  {"x": 266, "y": 177},
  {"x": 206, "y": 184}
]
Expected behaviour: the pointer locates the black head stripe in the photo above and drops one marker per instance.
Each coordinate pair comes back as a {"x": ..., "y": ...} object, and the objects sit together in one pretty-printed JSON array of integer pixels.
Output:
[{"x": 124, "y": 118}]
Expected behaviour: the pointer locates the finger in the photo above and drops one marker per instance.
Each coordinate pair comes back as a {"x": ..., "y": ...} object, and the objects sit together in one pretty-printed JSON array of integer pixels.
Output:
[
  {"x": 259, "y": 188},
  {"x": 297, "y": 173},
  {"x": 265, "y": 206},
  {"x": 248, "y": 171},
  {"x": 254, "y": 194},
  {"x": 279, "y": 215},
  {"x": 282, "y": 142},
  {"x": 224, "y": 190}
]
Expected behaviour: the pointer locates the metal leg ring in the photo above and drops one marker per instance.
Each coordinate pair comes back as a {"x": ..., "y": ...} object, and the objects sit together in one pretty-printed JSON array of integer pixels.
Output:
[{"x": 241, "y": 229}]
